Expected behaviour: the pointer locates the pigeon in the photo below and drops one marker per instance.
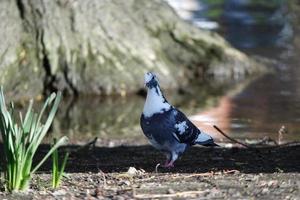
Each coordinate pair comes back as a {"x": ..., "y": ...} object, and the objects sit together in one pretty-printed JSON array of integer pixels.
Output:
[{"x": 166, "y": 127}]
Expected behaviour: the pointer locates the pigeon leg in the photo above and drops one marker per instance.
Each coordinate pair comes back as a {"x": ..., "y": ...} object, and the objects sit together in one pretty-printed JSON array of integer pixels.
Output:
[
  {"x": 170, "y": 160},
  {"x": 166, "y": 163},
  {"x": 169, "y": 165}
]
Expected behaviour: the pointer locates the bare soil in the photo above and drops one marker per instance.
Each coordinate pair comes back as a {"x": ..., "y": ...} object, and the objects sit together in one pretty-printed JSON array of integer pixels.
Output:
[{"x": 202, "y": 173}]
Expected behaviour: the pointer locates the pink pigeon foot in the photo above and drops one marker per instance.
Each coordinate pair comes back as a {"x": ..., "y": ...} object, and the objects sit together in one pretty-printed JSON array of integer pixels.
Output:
[{"x": 169, "y": 164}]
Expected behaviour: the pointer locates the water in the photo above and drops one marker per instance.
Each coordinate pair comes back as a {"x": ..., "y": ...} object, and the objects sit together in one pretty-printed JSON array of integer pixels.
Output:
[
  {"x": 244, "y": 23},
  {"x": 245, "y": 111},
  {"x": 258, "y": 28},
  {"x": 117, "y": 118}
]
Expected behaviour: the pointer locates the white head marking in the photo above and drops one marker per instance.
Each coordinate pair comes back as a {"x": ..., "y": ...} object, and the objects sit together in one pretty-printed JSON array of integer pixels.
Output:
[
  {"x": 149, "y": 76},
  {"x": 155, "y": 101}
]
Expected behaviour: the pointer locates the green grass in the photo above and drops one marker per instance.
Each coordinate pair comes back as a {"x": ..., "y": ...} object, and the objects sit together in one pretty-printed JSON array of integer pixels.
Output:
[
  {"x": 57, "y": 170},
  {"x": 21, "y": 138}
]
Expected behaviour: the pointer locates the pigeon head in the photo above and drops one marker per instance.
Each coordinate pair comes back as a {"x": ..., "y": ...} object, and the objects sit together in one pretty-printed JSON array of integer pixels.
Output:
[
  {"x": 155, "y": 100},
  {"x": 151, "y": 80}
]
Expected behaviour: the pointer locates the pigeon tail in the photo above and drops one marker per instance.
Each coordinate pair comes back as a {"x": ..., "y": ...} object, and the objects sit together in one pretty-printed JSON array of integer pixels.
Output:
[
  {"x": 210, "y": 143},
  {"x": 205, "y": 140}
]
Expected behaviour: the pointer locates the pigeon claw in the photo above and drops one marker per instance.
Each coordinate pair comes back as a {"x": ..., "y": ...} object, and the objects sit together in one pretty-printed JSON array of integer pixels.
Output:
[{"x": 169, "y": 165}]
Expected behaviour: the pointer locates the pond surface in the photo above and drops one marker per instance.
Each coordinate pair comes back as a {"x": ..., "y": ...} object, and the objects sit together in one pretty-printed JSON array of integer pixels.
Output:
[
  {"x": 260, "y": 28},
  {"x": 255, "y": 110}
]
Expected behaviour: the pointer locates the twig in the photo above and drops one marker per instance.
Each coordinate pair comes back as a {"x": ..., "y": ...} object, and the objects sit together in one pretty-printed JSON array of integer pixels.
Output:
[
  {"x": 289, "y": 144},
  {"x": 232, "y": 171},
  {"x": 156, "y": 168},
  {"x": 87, "y": 145},
  {"x": 197, "y": 175},
  {"x": 230, "y": 138},
  {"x": 104, "y": 178},
  {"x": 295, "y": 143},
  {"x": 268, "y": 139},
  {"x": 205, "y": 174},
  {"x": 177, "y": 194},
  {"x": 282, "y": 131}
]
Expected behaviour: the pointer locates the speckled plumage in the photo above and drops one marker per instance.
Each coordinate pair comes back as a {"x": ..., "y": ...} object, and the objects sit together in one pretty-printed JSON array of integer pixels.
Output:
[{"x": 166, "y": 127}]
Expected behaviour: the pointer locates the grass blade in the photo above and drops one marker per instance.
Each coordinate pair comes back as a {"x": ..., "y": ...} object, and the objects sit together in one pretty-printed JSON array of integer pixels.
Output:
[
  {"x": 61, "y": 141},
  {"x": 21, "y": 140}
]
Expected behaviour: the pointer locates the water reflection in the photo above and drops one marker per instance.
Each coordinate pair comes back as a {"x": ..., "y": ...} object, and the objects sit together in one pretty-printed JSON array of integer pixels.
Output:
[
  {"x": 254, "y": 111},
  {"x": 84, "y": 118},
  {"x": 258, "y": 27},
  {"x": 244, "y": 23},
  {"x": 259, "y": 110}
]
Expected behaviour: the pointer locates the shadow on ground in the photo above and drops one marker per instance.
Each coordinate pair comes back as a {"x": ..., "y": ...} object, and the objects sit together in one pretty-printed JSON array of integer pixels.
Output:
[{"x": 196, "y": 159}]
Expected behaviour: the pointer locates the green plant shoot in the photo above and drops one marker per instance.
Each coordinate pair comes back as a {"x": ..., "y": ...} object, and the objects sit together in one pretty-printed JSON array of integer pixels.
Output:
[
  {"x": 21, "y": 139},
  {"x": 57, "y": 170}
]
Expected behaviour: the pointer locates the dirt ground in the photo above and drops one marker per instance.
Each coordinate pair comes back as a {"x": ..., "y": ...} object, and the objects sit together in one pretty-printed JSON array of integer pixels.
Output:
[{"x": 202, "y": 173}]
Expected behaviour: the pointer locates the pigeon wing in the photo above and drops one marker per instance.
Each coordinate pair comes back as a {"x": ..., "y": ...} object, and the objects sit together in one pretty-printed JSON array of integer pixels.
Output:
[{"x": 184, "y": 130}]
